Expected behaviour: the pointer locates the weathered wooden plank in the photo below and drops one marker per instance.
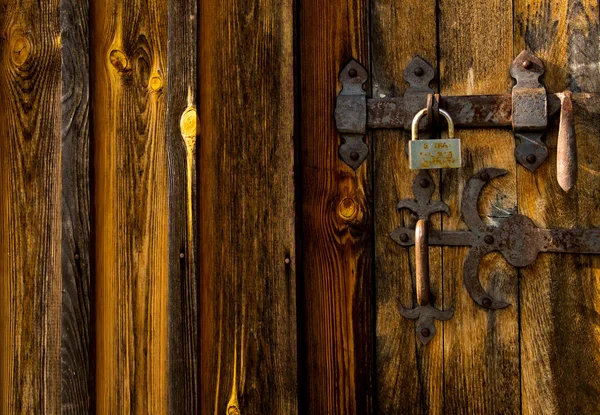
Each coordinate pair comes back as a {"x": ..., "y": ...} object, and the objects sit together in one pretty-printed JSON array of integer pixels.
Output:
[
  {"x": 181, "y": 142},
  {"x": 481, "y": 347},
  {"x": 560, "y": 294},
  {"x": 246, "y": 220},
  {"x": 337, "y": 354},
  {"x": 409, "y": 375},
  {"x": 30, "y": 235},
  {"x": 131, "y": 239},
  {"x": 77, "y": 335}
]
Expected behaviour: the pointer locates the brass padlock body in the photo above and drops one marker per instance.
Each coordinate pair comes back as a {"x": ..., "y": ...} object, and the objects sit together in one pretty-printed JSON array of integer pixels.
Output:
[{"x": 434, "y": 154}]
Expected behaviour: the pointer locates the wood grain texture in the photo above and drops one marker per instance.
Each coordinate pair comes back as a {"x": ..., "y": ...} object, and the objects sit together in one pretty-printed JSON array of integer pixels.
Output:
[
  {"x": 181, "y": 142},
  {"x": 337, "y": 360},
  {"x": 131, "y": 211},
  {"x": 30, "y": 235},
  {"x": 77, "y": 321},
  {"x": 247, "y": 264},
  {"x": 481, "y": 347},
  {"x": 560, "y": 294},
  {"x": 409, "y": 375}
]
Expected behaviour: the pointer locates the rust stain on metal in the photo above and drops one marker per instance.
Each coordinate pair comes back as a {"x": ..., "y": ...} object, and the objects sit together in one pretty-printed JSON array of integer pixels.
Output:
[
  {"x": 517, "y": 238},
  {"x": 566, "y": 151}
]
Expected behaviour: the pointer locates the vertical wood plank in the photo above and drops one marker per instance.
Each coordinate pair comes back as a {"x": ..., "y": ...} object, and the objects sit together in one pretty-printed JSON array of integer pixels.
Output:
[
  {"x": 337, "y": 220},
  {"x": 181, "y": 142},
  {"x": 30, "y": 235},
  {"x": 77, "y": 322},
  {"x": 481, "y": 347},
  {"x": 130, "y": 196},
  {"x": 409, "y": 375},
  {"x": 560, "y": 294},
  {"x": 247, "y": 264}
]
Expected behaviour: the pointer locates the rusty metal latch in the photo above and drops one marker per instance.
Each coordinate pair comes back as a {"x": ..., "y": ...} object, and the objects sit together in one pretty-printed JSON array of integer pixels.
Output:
[
  {"x": 517, "y": 238},
  {"x": 526, "y": 110}
]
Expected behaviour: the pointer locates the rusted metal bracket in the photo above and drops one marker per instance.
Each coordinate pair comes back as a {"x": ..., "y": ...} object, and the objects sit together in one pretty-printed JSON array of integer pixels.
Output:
[
  {"x": 516, "y": 238},
  {"x": 527, "y": 110}
]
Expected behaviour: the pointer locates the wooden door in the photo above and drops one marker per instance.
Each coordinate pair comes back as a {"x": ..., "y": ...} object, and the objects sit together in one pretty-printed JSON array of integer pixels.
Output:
[
  {"x": 540, "y": 355},
  {"x": 179, "y": 235}
]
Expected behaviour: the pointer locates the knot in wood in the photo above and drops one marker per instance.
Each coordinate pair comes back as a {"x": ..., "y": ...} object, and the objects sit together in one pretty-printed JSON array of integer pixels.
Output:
[
  {"x": 119, "y": 61},
  {"x": 156, "y": 83},
  {"x": 20, "y": 50},
  {"x": 348, "y": 208},
  {"x": 188, "y": 122}
]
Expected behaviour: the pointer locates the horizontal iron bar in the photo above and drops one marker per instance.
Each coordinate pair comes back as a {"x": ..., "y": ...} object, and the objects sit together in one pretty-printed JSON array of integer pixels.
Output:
[{"x": 467, "y": 111}]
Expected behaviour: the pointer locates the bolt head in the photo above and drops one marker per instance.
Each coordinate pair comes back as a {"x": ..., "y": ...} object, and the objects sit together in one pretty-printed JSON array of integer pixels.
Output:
[
  {"x": 485, "y": 176},
  {"x": 425, "y": 332},
  {"x": 404, "y": 237},
  {"x": 486, "y": 302},
  {"x": 489, "y": 239},
  {"x": 352, "y": 73},
  {"x": 419, "y": 71},
  {"x": 354, "y": 155},
  {"x": 424, "y": 183},
  {"x": 527, "y": 64},
  {"x": 531, "y": 158}
]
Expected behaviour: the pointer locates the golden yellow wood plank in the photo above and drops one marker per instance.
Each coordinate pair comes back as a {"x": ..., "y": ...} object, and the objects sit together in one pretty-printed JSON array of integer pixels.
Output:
[
  {"x": 409, "y": 375},
  {"x": 131, "y": 215},
  {"x": 30, "y": 196},
  {"x": 481, "y": 347},
  {"x": 560, "y": 294}
]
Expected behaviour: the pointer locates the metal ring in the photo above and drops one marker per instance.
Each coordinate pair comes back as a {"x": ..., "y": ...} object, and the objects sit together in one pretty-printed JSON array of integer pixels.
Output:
[{"x": 421, "y": 114}]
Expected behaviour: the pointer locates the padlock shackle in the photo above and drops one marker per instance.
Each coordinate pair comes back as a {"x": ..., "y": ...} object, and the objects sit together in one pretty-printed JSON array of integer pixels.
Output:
[{"x": 421, "y": 114}]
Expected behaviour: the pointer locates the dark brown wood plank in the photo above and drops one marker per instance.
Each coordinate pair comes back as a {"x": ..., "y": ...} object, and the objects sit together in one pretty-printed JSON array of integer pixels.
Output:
[
  {"x": 409, "y": 375},
  {"x": 181, "y": 134},
  {"x": 246, "y": 220},
  {"x": 560, "y": 293},
  {"x": 129, "y": 63},
  {"x": 77, "y": 322},
  {"x": 336, "y": 218},
  {"x": 481, "y": 347},
  {"x": 30, "y": 187}
]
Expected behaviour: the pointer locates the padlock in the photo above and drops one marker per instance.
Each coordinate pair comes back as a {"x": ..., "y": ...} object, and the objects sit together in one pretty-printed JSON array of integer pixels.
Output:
[{"x": 434, "y": 154}]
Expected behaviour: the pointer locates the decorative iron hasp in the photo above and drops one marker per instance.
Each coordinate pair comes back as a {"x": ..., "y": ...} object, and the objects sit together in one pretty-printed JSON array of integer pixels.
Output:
[
  {"x": 527, "y": 110},
  {"x": 516, "y": 238}
]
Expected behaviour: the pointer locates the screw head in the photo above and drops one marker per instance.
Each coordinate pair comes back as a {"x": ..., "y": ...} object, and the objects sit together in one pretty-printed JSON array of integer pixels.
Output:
[
  {"x": 531, "y": 158},
  {"x": 424, "y": 183},
  {"x": 419, "y": 71},
  {"x": 354, "y": 155},
  {"x": 404, "y": 237},
  {"x": 352, "y": 73},
  {"x": 527, "y": 64},
  {"x": 486, "y": 302},
  {"x": 425, "y": 332},
  {"x": 489, "y": 239},
  {"x": 485, "y": 176}
]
